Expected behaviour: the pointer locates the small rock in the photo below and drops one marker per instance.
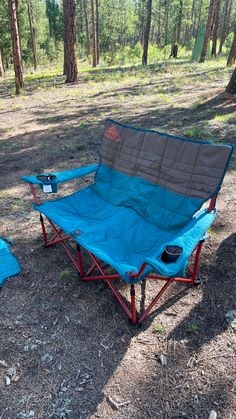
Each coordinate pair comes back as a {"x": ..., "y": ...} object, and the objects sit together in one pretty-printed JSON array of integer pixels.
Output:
[
  {"x": 3, "y": 363},
  {"x": 212, "y": 415},
  {"x": 8, "y": 381},
  {"x": 16, "y": 379},
  {"x": 163, "y": 359},
  {"x": 12, "y": 373}
]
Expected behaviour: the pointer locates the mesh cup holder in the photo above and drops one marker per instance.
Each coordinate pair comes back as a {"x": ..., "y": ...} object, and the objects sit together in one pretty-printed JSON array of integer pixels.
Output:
[
  {"x": 47, "y": 179},
  {"x": 48, "y": 184},
  {"x": 171, "y": 254}
]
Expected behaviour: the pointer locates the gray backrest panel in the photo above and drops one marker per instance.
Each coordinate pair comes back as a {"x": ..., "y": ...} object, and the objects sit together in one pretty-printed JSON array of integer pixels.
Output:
[{"x": 188, "y": 167}]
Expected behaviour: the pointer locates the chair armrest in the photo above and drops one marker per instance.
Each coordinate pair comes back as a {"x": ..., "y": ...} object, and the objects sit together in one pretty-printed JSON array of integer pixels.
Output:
[
  {"x": 187, "y": 238},
  {"x": 62, "y": 176}
]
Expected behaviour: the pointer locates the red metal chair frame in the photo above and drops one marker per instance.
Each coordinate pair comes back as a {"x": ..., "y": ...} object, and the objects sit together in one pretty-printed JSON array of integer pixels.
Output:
[{"x": 131, "y": 311}]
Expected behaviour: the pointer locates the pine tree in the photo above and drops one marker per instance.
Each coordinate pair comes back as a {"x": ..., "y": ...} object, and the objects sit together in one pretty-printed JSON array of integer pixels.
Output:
[
  {"x": 2, "y": 72},
  {"x": 70, "y": 62},
  {"x": 19, "y": 80},
  {"x": 208, "y": 30},
  {"x": 232, "y": 53},
  {"x": 94, "y": 34},
  {"x": 146, "y": 32},
  {"x": 231, "y": 88},
  {"x": 33, "y": 33}
]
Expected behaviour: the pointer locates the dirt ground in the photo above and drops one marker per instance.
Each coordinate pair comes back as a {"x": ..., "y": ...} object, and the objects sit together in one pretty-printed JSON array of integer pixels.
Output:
[{"x": 67, "y": 345}]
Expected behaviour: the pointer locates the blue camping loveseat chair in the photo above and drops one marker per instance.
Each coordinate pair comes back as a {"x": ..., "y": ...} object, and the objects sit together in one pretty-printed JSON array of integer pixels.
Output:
[{"x": 142, "y": 214}]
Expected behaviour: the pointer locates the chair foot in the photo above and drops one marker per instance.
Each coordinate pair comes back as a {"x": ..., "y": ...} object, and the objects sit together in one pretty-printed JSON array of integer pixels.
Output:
[
  {"x": 198, "y": 281},
  {"x": 132, "y": 323}
]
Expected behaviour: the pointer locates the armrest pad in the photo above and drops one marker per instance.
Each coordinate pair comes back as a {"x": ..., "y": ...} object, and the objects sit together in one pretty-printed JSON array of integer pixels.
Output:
[
  {"x": 187, "y": 238},
  {"x": 62, "y": 176}
]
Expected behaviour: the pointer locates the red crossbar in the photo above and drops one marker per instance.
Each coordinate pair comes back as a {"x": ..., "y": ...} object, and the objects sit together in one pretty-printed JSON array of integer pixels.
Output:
[{"x": 130, "y": 310}]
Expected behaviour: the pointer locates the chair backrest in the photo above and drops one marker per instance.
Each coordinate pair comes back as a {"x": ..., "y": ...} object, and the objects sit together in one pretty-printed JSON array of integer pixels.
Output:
[{"x": 164, "y": 178}]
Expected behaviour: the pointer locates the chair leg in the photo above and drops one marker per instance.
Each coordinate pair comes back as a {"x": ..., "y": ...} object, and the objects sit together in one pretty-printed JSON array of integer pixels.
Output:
[
  {"x": 133, "y": 305},
  {"x": 43, "y": 229},
  {"x": 80, "y": 261},
  {"x": 196, "y": 262},
  {"x": 148, "y": 309}
]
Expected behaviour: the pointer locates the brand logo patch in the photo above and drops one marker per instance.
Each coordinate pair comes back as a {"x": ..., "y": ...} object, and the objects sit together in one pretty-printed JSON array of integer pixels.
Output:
[{"x": 112, "y": 133}]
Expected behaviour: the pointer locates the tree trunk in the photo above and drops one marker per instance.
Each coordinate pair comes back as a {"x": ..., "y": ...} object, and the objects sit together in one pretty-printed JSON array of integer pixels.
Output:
[
  {"x": 192, "y": 25},
  {"x": 158, "y": 39},
  {"x": 97, "y": 30},
  {"x": 19, "y": 80},
  {"x": 94, "y": 34},
  {"x": 70, "y": 62},
  {"x": 146, "y": 32},
  {"x": 215, "y": 29},
  {"x": 231, "y": 88},
  {"x": 81, "y": 17},
  {"x": 225, "y": 23},
  {"x": 179, "y": 21},
  {"x": 141, "y": 30},
  {"x": 33, "y": 34},
  {"x": 87, "y": 30},
  {"x": 199, "y": 17},
  {"x": 232, "y": 53},
  {"x": 166, "y": 24},
  {"x": 208, "y": 31},
  {"x": 2, "y": 72}
]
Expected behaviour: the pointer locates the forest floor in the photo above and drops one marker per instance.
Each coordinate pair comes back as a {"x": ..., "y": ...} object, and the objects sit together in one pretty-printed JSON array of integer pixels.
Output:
[{"x": 67, "y": 345}]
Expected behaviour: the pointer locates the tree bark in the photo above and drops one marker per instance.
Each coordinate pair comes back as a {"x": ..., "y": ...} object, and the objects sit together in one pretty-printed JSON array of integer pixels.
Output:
[
  {"x": 2, "y": 72},
  {"x": 215, "y": 29},
  {"x": 146, "y": 32},
  {"x": 232, "y": 53},
  {"x": 97, "y": 30},
  {"x": 225, "y": 23},
  {"x": 70, "y": 62},
  {"x": 199, "y": 18},
  {"x": 33, "y": 34},
  {"x": 87, "y": 30},
  {"x": 94, "y": 31},
  {"x": 166, "y": 24},
  {"x": 141, "y": 18},
  {"x": 208, "y": 31},
  {"x": 18, "y": 68},
  {"x": 192, "y": 25},
  {"x": 231, "y": 88},
  {"x": 179, "y": 21},
  {"x": 159, "y": 24}
]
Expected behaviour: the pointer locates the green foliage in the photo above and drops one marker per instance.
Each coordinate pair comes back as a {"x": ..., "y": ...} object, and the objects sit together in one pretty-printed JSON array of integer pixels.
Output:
[
  {"x": 197, "y": 132},
  {"x": 5, "y": 37},
  {"x": 121, "y": 29},
  {"x": 65, "y": 274},
  {"x": 231, "y": 319},
  {"x": 229, "y": 40},
  {"x": 158, "y": 327},
  {"x": 192, "y": 328}
]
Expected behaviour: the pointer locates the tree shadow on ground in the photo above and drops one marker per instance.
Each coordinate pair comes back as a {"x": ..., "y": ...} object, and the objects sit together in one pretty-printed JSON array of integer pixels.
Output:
[
  {"x": 69, "y": 339},
  {"x": 218, "y": 298},
  {"x": 57, "y": 80},
  {"x": 66, "y": 337}
]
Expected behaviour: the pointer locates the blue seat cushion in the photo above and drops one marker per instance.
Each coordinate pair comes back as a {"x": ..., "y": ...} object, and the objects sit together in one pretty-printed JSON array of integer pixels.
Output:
[{"x": 116, "y": 234}]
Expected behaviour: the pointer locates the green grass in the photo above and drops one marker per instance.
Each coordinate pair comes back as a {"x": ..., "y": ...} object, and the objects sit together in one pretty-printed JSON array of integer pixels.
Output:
[
  {"x": 158, "y": 327},
  {"x": 225, "y": 118},
  {"x": 4, "y": 194},
  {"x": 192, "y": 328},
  {"x": 65, "y": 274},
  {"x": 198, "y": 132}
]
